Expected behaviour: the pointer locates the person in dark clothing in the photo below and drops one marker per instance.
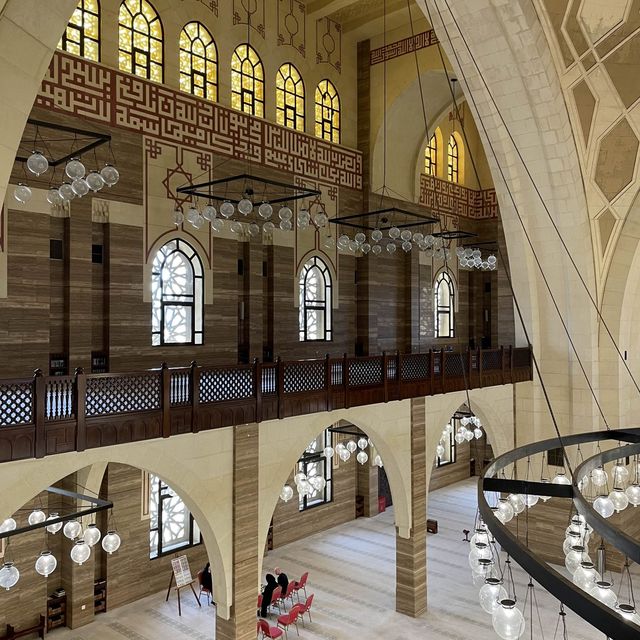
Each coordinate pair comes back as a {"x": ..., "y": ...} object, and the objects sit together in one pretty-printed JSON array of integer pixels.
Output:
[
  {"x": 267, "y": 592},
  {"x": 283, "y": 580},
  {"x": 206, "y": 581}
]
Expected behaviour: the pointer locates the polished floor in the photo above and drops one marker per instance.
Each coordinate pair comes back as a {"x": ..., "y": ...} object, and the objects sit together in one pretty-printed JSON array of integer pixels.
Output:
[{"x": 352, "y": 573}]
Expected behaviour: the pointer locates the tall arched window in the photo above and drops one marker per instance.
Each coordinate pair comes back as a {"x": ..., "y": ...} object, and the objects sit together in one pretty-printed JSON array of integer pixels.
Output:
[
  {"x": 140, "y": 40},
  {"x": 198, "y": 61},
  {"x": 444, "y": 294},
  {"x": 82, "y": 35},
  {"x": 431, "y": 157},
  {"x": 453, "y": 160},
  {"x": 247, "y": 81},
  {"x": 289, "y": 98},
  {"x": 177, "y": 295},
  {"x": 327, "y": 112},
  {"x": 315, "y": 301}
]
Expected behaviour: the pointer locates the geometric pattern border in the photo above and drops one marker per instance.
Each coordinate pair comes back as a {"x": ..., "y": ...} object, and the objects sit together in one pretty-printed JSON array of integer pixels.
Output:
[
  {"x": 450, "y": 198},
  {"x": 95, "y": 92},
  {"x": 403, "y": 47}
]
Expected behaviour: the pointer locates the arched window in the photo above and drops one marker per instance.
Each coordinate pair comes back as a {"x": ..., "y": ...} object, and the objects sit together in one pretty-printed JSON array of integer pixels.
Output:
[
  {"x": 140, "y": 40},
  {"x": 289, "y": 98},
  {"x": 198, "y": 62},
  {"x": 315, "y": 301},
  {"x": 453, "y": 160},
  {"x": 444, "y": 294},
  {"x": 431, "y": 157},
  {"x": 313, "y": 464},
  {"x": 82, "y": 35},
  {"x": 327, "y": 112},
  {"x": 177, "y": 295},
  {"x": 247, "y": 81}
]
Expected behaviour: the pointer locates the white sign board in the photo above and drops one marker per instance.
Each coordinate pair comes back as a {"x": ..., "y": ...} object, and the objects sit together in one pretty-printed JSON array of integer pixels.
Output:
[{"x": 181, "y": 571}]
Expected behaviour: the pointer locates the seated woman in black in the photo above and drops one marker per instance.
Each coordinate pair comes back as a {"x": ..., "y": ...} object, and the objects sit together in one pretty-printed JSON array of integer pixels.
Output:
[
  {"x": 283, "y": 580},
  {"x": 267, "y": 592}
]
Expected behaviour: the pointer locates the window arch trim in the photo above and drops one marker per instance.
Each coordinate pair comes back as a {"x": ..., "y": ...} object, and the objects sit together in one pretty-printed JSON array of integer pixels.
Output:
[
  {"x": 290, "y": 104},
  {"x": 316, "y": 308},
  {"x": 207, "y": 87},
  {"x": 444, "y": 310}
]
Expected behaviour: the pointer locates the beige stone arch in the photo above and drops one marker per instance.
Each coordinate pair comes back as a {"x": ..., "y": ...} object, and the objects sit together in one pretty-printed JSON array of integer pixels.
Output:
[
  {"x": 199, "y": 468},
  {"x": 283, "y": 441}
]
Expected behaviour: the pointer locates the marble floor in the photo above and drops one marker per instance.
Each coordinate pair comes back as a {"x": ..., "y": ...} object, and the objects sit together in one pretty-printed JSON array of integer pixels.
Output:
[{"x": 352, "y": 573}]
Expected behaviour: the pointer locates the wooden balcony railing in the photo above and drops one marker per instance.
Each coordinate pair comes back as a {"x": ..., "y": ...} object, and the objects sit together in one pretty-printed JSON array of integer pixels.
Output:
[{"x": 43, "y": 415}]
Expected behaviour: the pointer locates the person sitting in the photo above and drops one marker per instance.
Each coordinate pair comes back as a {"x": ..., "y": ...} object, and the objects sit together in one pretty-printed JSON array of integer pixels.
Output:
[
  {"x": 283, "y": 580},
  {"x": 206, "y": 581},
  {"x": 267, "y": 592}
]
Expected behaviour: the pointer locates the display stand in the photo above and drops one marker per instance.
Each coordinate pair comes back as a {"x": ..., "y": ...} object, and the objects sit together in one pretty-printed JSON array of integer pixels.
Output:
[{"x": 181, "y": 573}]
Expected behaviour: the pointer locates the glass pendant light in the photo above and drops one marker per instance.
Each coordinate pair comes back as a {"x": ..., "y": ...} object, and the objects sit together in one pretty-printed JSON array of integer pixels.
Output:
[
  {"x": 110, "y": 175},
  {"x": 80, "y": 552},
  {"x": 265, "y": 210},
  {"x": 585, "y": 576},
  {"x": 604, "y": 506},
  {"x": 505, "y": 511},
  {"x": 286, "y": 493},
  {"x": 508, "y": 621},
  {"x": 363, "y": 443},
  {"x": 351, "y": 446},
  {"x": 575, "y": 557},
  {"x": 75, "y": 169},
  {"x": 517, "y": 502},
  {"x": 54, "y": 528},
  {"x": 36, "y": 517},
  {"x": 362, "y": 457},
  {"x": 46, "y": 563},
  {"x": 478, "y": 551},
  {"x": 111, "y": 542},
  {"x": 619, "y": 499},
  {"x": 602, "y": 590},
  {"x": 217, "y": 225},
  {"x": 92, "y": 535},
  {"x": 8, "y": 525},
  {"x": 95, "y": 181},
  {"x": 37, "y": 163},
  {"x": 245, "y": 206},
  {"x": 561, "y": 478},
  {"x": 22, "y": 193},
  {"x": 633, "y": 494},
  {"x": 491, "y": 594},
  {"x": 599, "y": 477},
  {"x": 227, "y": 209},
  {"x": 72, "y": 529},
  {"x": 9, "y": 575}
]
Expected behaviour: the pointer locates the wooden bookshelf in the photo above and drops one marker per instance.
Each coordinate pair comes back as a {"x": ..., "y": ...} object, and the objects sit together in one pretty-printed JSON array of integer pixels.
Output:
[
  {"x": 56, "y": 612},
  {"x": 100, "y": 596}
]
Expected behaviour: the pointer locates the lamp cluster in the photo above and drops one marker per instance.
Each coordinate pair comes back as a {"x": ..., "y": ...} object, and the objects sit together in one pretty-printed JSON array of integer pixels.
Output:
[
  {"x": 623, "y": 494},
  {"x": 46, "y": 562},
  {"x": 469, "y": 258},
  {"x": 432, "y": 246},
  {"x": 307, "y": 485},
  {"x": 79, "y": 183},
  {"x": 198, "y": 217},
  {"x": 470, "y": 428}
]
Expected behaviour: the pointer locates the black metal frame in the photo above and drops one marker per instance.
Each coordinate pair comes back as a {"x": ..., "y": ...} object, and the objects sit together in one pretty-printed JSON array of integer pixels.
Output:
[
  {"x": 100, "y": 139},
  {"x": 313, "y": 458},
  {"x": 99, "y": 505},
  {"x": 204, "y": 189},
  {"x": 454, "y": 234},
  {"x": 82, "y": 35},
  {"x": 593, "y": 611},
  {"x": 385, "y": 223}
]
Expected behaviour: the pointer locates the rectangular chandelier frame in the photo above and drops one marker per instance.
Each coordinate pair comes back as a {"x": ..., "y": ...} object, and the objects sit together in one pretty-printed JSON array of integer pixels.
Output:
[{"x": 386, "y": 215}]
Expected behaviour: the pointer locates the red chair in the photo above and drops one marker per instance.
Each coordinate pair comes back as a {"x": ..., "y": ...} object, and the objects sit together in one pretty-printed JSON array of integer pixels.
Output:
[
  {"x": 306, "y": 608},
  {"x": 291, "y": 587},
  {"x": 275, "y": 598},
  {"x": 204, "y": 589},
  {"x": 302, "y": 584},
  {"x": 287, "y": 619},
  {"x": 259, "y": 601},
  {"x": 267, "y": 631}
]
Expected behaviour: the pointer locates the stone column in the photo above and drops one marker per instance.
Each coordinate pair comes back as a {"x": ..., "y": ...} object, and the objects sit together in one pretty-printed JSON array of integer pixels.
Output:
[
  {"x": 241, "y": 624},
  {"x": 411, "y": 552}
]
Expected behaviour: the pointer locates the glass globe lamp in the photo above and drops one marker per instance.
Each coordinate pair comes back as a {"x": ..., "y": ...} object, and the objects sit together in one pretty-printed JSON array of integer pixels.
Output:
[
  {"x": 92, "y": 535},
  {"x": 439, "y": 451},
  {"x": 245, "y": 206},
  {"x": 517, "y": 502},
  {"x": 376, "y": 235},
  {"x": 80, "y": 187},
  {"x": 485, "y": 569},
  {"x": 575, "y": 557},
  {"x": 459, "y": 437},
  {"x": 192, "y": 214},
  {"x": 75, "y": 169},
  {"x": 95, "y": 181},
  {"x": 602, "y": 590},
  {"x": 599, "y": 477},
  {"x": 545, "y": 481},
  {"x": 626, "y": 610},
  {"x": 37, "y": 163},
  {"x": 54, "y": 528},
  {"x": 619, "y": 499},
  {"x": 619, "y": 474},
  {"x": 351, "y": 446},
  {"x": 328, "y": 452},
  {"x": 304, "y": 487},
  {"x": 394, "y": 233},
  {"x": 54, "y": 198},
  {"x": 376, "y": 249},
  {"x": 226, "y": 209},
  {"x": 478, "y": 552},
  {"x": 344, "y": 454},
  {"x": 286, "y": 225},
  {"x": 8, "y": 525},
  {"x": 633, "y": 494},
  {"x": 418, "y": 237},
  {"x": 235, "y": 226},
  {"x": 217, "y": 225},
  {"x": 320, "y": 483},
  {"x": 491, "y": 593},
  {"x": 178, "y": 217},
  {"x": 561, "y": 478},
  {"x": 406, "y": 246},
  {"x": 80, "y": 552},
  {"x": 268, "y": 227},
  {"x": 329, "y": 242},
  {"x": 531, "y": 500},
  {"x": 72, "y": 529},
  {"x": 448, "y": 428},
  {"x": 110, "y": 175},
  {"x": 111, "y": 542},
  {"x": 362, "y": 457},
  {"x": 299, "y": 477},
  {"x": 286, "y": 493},
  {"x": 585, "y": 576},
  {"x": 209, "y": 213},
  {"x": 36, "y": 517},
  {"x": 360, "y": 237},
  {"x": 46, "y": 563},
  {"x": 477, "y": 433},
  {"x": 508, "y": 621},
  {"x": 363, "y": 443},
  {"x": 505, "y": 511},
  {"x": 604, "y": 506},
  {"x": 22, "y": 193},
  {"x": 481, "y": 536},
  {"x": 265, "y": 210},
  {"x": 285, "y": 213},
  {"x": 321, "y": 219},
  {"x": 9, "y": 575},
  {"x": 572, "y": 539},
  {"x": 378, "y": 461},
  {"x": 343, "y": 242},
  {"x": 66, "y": 192}
]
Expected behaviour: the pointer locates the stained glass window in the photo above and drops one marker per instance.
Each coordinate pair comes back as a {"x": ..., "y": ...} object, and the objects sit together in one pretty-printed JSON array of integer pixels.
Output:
[
  {"x": 82, "y": 35},
  {"x": 453, "y": 159},
  {"x": 289, "y": 98},
  {"x": 431, "y": 157},
  {"x": 315, "y": 301},
  {"x": 172, "y": 526},
  {"x": 198, "y": 62},
  {"x": 327, "y": 112},
  {"x": 247, "y": 81},
  {"x": 140, "y": 47},
  {"x": 177, "y": 295},
  {"x": 444, "y": 293},
  {"x": 313, "y": 463}
]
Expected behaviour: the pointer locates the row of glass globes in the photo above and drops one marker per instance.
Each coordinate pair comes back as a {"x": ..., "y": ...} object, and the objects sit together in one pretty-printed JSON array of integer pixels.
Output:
[
  {"x": 308, "y": 485},
  {"x": 81, "y": 181},
  {"x": 618, "y": 499},
  {"x": 582, "y": 570},
  {"x": 469, "y": 258},
  {"x": 469, "y": 429},
  {"x": 431, "y": 245}
]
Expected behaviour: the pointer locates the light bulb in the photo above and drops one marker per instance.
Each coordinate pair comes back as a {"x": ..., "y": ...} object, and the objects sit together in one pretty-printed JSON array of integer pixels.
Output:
[
  {"x": 304, "y": 218},
  {"x": 235, "y": 226},
  {"x": 75, "y": 169},
  {"x": 110, "y": 175},
  {"x": 604, "y": 506},
  {"x": 22, "y": 193},
  {"x": 265, "y": 210},
  {"x": 92, "y": 535},
  {"x": 376, "y": 249},
  {"x": 362, "y": 457},
  {"x": 54, "y": 528},
  {"x": 66, "y": 192},
  {"x": 321, "y": 219},
  {"x": 9, "y": 575},
  {"x": 575, "y": 557},
  {"x": 95, "y": 181},
  {"x": 37, "y": 163},
  {"x": 560, "y": 478},
  {"x": 111, "y": 542},
  {"x": 585, "y": 576},
  {"x": 54, "y": 197},
  {"x": 405, "y": 235},
  {"x": 619, "y": 499},
  {"x": 505, "y": 511},
  {"x": 80, "y": 552},
  {"x": 72, "y": 529},
  {"x": 491, "y": 593},
  {"x": 227, "y": 209},
  {"x": 394, "y": 233},
  {"x": 36, "y": 517},
  {"x": 285, "y": 213},
  {"x": 376, "y": 235},
  {"x": 351, "y": 446},
  {"x": 286, "y": 493},
  {"x": 328, "y": 452},
  {"x": 268, "y": 227},
  {"x": 8, "y": 525},
  {"x": 80, "y": 187},
  {"x": 478, "y": 552},
  {"x": 377, "y": 461},
  {"x": 286, "y": 225},
  {"x": 517, "y": 502},
  {"x": 599, "y": 477},
  {"x": 477, "y": 432},
  {"x": 46, "y": 563},
  {"x": 406, "y": 246},
  {"x": 209, "y": 213},
  {"x": 508, "y": 621},
  {"x": 344, "y": 454},
  {"x": 245, "y": 206},
  {"x": 217, "y": 225},
  {"x": 633, "y": 493},
  {"x": 619, "y": 474},
  {"x": 601, "y": 590},
  {"x": 363, "y": 443},
  {"x": 253, "y": 229}
]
